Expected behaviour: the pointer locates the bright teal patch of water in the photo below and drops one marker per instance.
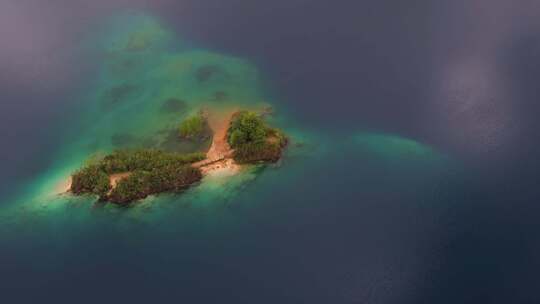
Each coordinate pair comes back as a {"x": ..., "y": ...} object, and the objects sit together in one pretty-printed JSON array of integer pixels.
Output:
[
  {"x": 149, "y": 82},
  {"x": 393, "y": 147}
]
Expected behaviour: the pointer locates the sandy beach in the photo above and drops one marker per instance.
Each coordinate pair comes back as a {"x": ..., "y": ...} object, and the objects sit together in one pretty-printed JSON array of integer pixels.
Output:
[
  {"x": 63, "y": 186},
  {"x": 219, "y": 156}
]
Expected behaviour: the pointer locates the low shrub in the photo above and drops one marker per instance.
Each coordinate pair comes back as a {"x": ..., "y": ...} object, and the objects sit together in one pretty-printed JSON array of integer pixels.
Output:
[
  {"x": 194, "y": 127},
  {"x": 141, "y": 184},
  {"x": 131, "y": 188},
  {"x": 257, "y": 152},
  {"x": 152, "y": 171},
  {"x": 147, "y": 160},
  {"x": 90, "y": 179}
]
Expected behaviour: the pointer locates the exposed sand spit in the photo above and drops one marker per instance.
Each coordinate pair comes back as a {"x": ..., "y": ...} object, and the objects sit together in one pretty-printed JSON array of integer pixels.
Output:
[
  {"x": 219, "y": 156},
  {"x": 63, "y": 186}
]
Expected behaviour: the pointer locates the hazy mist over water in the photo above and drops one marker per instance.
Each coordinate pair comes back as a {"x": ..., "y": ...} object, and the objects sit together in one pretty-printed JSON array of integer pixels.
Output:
[{"x": 372, "y": 219}]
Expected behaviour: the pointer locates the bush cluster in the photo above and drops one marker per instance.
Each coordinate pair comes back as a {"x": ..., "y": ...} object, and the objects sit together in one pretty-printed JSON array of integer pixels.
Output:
[
  {"x": 193, "y": 127},
  {"x": 253, "y": 140},
  {"x": 257, "y": 152},
  {"x": 141, "y": 184},
  {"x": 147, "y": 160},
  {"x": 153, "y": 171},
  {"x": 246, "y": 127},
  {"x": 90, "y": 179}
]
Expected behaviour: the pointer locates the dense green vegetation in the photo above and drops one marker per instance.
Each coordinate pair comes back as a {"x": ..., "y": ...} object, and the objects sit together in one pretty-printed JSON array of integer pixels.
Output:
[
  {"x": 90, "y": 179},
  {"x": 194, "y": 127},
  {"x": 141, "y": 184},
  {"x": 131, "y": 160},
  {"x": 156, "y": 171},
  {"x": 247, "y": 127},
  {"x": 253, "y": 140},
  {"x": 152, "y": 171},
  {"x": 257, "y": 152}
]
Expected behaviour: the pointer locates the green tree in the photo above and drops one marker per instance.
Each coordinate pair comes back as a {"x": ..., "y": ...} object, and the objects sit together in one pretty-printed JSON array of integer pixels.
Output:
[
  {"x": 247, "y": 127},
  {"x": 237, "y": 138}
]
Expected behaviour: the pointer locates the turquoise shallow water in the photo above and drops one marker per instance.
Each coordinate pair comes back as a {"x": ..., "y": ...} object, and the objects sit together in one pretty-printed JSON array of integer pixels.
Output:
[
  {"x": 253, "y": 231},
  {"x": 412, "y": 176},
  {"x": 149, "y": 81}
]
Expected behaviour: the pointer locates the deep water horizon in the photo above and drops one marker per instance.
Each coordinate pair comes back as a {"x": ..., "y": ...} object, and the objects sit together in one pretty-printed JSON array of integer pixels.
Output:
[{"x": 410, "y": 176}]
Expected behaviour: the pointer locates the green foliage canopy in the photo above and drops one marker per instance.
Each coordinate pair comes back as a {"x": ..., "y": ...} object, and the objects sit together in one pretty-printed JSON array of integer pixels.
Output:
[
  {"x": 131, "y": 160},
  {"x": 90, "y": 179},
  {"x": 193, "y": 127},
  {"x": 247, "y": 127},
  {"x": 152, "y": 171},
  {"x": 141, "y": 184},
  {"x": 253, "y": 140}
]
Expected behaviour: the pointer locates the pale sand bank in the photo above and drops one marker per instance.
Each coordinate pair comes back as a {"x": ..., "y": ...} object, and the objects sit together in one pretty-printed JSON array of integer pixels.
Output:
[
  {"x": 219, "y": 157},
  {"x": 225, "y": 167},
  {"x": 63, "y": 186}
]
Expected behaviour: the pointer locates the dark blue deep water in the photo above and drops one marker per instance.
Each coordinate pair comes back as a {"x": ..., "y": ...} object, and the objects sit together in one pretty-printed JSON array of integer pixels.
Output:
[{"x": 420, "y": 183}]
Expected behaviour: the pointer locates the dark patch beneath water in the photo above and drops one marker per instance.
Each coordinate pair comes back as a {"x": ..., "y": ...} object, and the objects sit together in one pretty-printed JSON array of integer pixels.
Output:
[
  {"x": 122, "y": 67},
  {"x": 220, "y": 96},
  {"x": 118, "y": 95},
  {"x": 173, "y": 105},
  {"x": 206, "y": 72},
  {"x": 149, "y": 142},
  {"x": 138, "y": 43},
  {"x": 123, "y": 140},
  {"x": 173, "y": 142}
]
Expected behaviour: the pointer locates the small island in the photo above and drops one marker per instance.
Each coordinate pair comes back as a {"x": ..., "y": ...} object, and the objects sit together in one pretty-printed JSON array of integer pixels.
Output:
[{"x": 124, "y": 176}]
